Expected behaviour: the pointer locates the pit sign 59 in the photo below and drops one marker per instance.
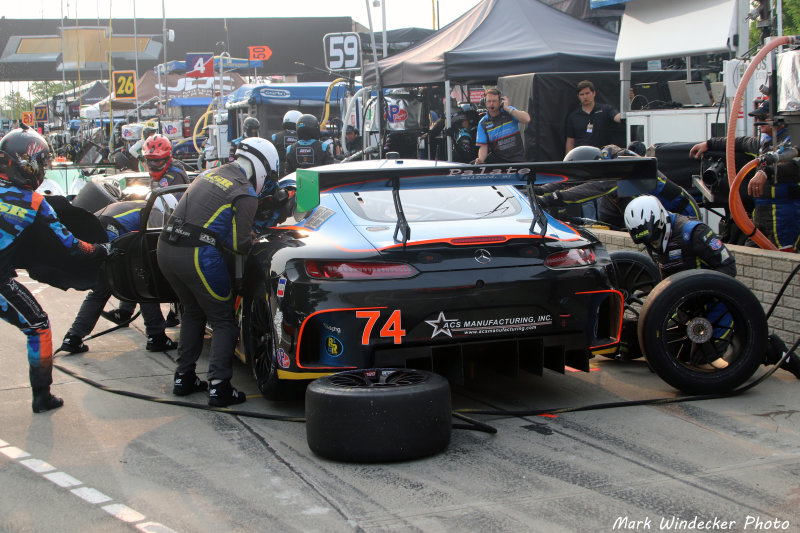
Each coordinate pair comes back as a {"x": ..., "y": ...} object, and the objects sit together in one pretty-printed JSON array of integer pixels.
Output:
[{"x": 342, "y": 51}]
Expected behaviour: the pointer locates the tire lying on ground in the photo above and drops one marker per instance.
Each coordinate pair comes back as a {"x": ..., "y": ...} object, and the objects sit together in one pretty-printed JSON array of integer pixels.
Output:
[
  {"x": 378, "y": 415},
  {"x": 636, "y": 275},
  {"x": 703, "y": 332}
]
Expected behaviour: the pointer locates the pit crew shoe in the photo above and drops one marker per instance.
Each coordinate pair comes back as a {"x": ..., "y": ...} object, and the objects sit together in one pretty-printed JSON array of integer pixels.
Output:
[
  {"x": 160, "y": 343},
  {"x": 44, "y": 401},
  {"x": 187, "y": 383},
  {"x": 223, "y": 394},
  {"x": 172, "y": 319},
  {"x": 116, "y": 316},
  {"x": 792, "y": 364},
  {"x": 73, "y": 344}
]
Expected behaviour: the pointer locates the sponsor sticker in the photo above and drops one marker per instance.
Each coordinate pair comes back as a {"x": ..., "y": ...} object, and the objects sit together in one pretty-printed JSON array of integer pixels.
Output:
[
  {"x": 281, "y": 287},
  {"x": 333, "y": 346},
  {"x": 716, "y": 244},
  {"x": 458, "y": 326},
  {"x": 283, "y": 358}
]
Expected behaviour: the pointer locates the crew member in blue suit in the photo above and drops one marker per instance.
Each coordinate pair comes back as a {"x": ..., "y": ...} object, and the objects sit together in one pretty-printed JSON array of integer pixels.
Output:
[
  {"x": 24, "y": 157},
  {"x": 118, "y": 219},
  {"x": 308, "y": 151},
  {"x": 210, "y": 226}
]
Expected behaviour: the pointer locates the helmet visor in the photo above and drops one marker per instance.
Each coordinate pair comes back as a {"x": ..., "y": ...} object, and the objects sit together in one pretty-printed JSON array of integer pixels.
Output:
[{"x": 157, "y": 165}]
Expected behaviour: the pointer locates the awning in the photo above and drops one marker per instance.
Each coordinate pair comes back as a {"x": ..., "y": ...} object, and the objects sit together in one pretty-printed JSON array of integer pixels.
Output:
[
  {"x": 201, "y": 101},
  {"x": 654, "y": 29}
]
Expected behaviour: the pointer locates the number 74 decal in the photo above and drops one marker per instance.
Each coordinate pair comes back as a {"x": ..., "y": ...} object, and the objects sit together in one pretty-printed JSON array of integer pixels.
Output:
[{"x": 391, "y": 328}]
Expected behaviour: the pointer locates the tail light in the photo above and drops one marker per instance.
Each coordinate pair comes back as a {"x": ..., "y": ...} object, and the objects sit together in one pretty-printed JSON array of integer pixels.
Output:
[
  {"x": 576, "y": 257},
  {"x": 357, "y": 270}
]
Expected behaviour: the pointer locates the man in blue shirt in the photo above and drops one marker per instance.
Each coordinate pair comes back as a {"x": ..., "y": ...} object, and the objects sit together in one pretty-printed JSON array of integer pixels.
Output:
[{"x": 499, "y": 140}]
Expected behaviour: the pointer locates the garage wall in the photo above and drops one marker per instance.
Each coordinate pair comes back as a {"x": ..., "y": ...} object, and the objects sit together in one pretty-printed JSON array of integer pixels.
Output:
[{"x": 762, "y": 271}]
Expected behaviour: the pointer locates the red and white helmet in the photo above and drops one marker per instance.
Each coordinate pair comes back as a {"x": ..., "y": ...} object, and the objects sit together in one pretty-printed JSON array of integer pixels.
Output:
[{"x": 157, "y": 151}]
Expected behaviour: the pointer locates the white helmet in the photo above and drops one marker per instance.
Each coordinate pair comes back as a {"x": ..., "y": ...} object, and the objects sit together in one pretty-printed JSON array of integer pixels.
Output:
[
  {"x": 264, "y": 158},
  {"x": 290, "y": 119},
  {"x": 648, "y": 222}
]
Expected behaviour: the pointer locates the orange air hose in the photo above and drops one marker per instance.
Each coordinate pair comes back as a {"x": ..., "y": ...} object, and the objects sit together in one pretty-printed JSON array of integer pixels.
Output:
[{"x": 740, "y": 216}]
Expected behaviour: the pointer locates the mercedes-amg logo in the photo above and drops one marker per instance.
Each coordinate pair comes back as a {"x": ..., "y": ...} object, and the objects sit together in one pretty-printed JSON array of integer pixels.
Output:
[{"x": 482, "y": 256}]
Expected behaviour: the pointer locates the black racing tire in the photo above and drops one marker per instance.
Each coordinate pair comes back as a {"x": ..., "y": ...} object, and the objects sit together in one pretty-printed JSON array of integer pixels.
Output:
[
  {"x": 259, "y": 344},
  {"x": 676, "y": 332},
  {"x": 378, "y": 415},
  {"x": 636, "y": 275}
]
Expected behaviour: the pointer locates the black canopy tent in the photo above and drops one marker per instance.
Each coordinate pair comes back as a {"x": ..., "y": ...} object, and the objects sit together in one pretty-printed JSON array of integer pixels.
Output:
[{"x": 499, "y": 38}]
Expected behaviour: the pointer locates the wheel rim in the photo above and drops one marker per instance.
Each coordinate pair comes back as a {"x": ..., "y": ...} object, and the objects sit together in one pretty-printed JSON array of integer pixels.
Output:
[
  {"x": 635, "y": 283},
  {"x": 260, "y": 338},
  {"x": 704, "y": 332},
  {"x": 378, "y": 377}
]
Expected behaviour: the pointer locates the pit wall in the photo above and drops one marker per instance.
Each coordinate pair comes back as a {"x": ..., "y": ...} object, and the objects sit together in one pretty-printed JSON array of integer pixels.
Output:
[{"x": 762, "y": 271}]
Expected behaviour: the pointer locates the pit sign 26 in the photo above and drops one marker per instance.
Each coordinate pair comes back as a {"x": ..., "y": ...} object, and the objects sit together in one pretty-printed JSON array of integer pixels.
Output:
[
  {"x": 124, "y": 84},
  {"x": 342, "y": 51}
]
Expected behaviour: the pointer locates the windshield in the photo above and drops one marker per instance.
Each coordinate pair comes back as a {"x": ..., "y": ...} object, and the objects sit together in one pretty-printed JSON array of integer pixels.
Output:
[{"x": 452, "y": 203}]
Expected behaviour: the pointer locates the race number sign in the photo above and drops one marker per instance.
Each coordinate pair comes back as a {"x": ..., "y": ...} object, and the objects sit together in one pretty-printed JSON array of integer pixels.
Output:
[
  {"x": 124, "y": 84},
  {"x": 259, "y": 53},
  {"x": 342, "y": 51},
  {"x": 27, "y": 118},
  {"x": 40, "y": 113},
  {"x": 200, "y": 65}
]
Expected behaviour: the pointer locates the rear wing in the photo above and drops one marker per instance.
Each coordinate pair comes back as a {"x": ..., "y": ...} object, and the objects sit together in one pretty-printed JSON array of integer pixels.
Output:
[
  {"x": 634, "y": 176},
  {"x": 637, "y": 175}
]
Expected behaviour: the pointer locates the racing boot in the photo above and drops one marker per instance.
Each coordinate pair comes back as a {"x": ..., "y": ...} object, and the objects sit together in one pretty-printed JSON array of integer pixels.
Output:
[
  {"x": 160, "y": 343},
  {"x": 73, "y": 344},
  {"x": 776, "y": 349},
  {"x": 792, "y": 364},
  {"x": 223, "y": 394},
  {"x": 41, "y": 378},
  {"x": 117, "y": 316},
  {"x": 187, "y": 383},
  {"x": 172, "y": 319}
]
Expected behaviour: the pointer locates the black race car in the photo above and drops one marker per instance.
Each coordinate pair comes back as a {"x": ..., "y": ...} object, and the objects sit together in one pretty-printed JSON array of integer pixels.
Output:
[{"x": 399, "y": 263}]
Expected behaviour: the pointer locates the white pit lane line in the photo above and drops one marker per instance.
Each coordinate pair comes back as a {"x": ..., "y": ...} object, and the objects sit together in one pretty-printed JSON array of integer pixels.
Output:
[{"x": 88, "y": 494}]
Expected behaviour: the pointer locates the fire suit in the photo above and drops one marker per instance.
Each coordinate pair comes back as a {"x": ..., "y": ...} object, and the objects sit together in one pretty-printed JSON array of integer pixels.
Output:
[
  {"x": 307, "y": 153},
  {"x": 775, "y": 210},
  {"x": 21, "y": 210},
  {"x": 212, "y": 222}
]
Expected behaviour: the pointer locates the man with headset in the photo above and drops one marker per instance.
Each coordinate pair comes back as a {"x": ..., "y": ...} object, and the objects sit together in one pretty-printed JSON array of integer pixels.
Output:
[{"x": 499, "y": 140}]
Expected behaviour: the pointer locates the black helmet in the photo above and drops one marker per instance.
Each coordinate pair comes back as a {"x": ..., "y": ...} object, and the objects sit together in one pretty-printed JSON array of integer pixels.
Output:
[
  {"x": 24, "y": 157},
  {"x": 251, "y": 127},
  {"x": 148, "y": 131},
  {"x": 638, "y": 148},
  {"x": 307, "y": 127},
  {"x": 584, "y": 153}
]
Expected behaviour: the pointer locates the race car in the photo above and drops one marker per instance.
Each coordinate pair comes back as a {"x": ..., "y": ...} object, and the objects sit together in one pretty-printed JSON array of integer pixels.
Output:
[{"x": 418, "y": 264}]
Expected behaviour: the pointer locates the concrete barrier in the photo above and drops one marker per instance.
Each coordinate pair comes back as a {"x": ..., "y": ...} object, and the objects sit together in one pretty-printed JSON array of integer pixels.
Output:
[{"x": 762, "y": 271}]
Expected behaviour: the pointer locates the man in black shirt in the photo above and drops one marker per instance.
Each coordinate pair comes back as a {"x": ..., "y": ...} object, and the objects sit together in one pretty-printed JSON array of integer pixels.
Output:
[{"x": 591, "y": 123}]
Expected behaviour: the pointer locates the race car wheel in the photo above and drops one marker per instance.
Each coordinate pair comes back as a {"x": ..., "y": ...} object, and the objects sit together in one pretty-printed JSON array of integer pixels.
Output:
[
  {"x": 636, "y": 275},
  {"x": 378, "y": 415},
  {"x": 703, "y": 332},
  {"x": 259, "y": 345}
]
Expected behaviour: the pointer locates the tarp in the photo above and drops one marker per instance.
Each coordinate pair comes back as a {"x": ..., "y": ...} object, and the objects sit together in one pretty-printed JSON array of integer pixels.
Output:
[
  {"x": 550, "y": 97},
  {"x": 678, "y": 28},
  {"x": 202, "y": 89},
  {"x": 294, "y": 94},
  {"x": 500, "y": 38}
]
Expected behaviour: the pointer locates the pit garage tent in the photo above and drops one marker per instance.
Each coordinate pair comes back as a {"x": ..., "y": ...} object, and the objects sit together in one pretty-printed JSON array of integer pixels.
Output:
[{"x": 499, "y": 38}]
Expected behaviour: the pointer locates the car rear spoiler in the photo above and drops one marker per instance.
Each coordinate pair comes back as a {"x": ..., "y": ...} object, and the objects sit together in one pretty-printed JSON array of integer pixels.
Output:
[{"x": 634, "y": 176}]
